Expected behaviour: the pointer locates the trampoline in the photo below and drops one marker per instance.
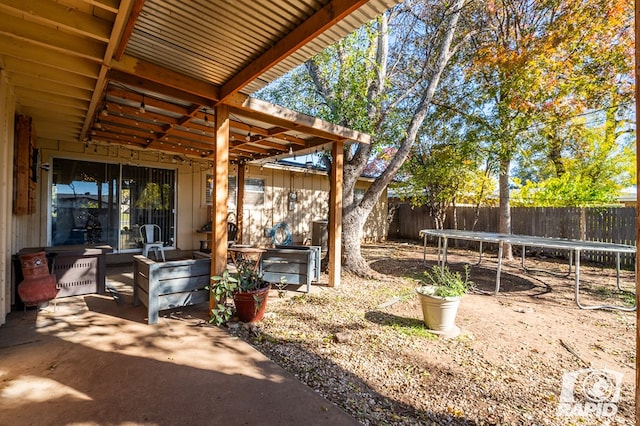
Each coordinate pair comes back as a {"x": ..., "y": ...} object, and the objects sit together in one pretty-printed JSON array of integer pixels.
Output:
[{"x": 574, "y": 247}]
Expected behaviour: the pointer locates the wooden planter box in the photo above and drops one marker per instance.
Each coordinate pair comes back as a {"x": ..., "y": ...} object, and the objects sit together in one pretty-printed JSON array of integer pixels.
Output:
[
  {"x": 300, "y": 265},
  {"x": 166, "y": 285}
]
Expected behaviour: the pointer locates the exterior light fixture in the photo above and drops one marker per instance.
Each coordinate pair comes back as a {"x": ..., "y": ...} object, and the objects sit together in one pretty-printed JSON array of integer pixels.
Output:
[{"x": 142, "y": 105}]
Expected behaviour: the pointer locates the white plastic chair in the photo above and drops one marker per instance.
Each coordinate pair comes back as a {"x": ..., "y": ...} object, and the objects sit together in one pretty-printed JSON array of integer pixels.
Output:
[{"x": 148, "y": 234}]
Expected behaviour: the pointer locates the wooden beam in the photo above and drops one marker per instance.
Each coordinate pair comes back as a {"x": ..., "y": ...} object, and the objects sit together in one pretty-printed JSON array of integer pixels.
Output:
[
  {"x": 47, "y": 73},
  {"x": 250, "y": 149},
  {"x": 274, "y": 114},
  {"x": 115, "y": 32},
  {"x": 62, "y": 42},
  {"x": 316, "y": 24},
  {"x": 56, "y": 88},
  {"x": 152, "y": 86},
  {"x": 124, "y": 139},
  {"x": 240, "y": 181},
  {"x": 220, "y": 195},
  {"x": 335, "y": 215},
  {"x": 128, "y": 29},
  {"x": 166, "y": 77},
  {"x": 55, "y": 15},
  {"x": 28, "y": 51},
  {"x": 108, "y": 5}
]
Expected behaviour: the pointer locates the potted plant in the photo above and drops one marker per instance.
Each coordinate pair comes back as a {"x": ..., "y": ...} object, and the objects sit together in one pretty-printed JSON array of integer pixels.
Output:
[
  {"x": 246, "y": 288},
  {"x": 440, "y": 296}
]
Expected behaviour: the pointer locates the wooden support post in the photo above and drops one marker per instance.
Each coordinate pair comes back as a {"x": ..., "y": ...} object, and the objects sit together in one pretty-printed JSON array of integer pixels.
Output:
[
  {"x": 240, "y": 177},
  {"x": 335, "y": 215},
  {"x": 220, "y": 195}
]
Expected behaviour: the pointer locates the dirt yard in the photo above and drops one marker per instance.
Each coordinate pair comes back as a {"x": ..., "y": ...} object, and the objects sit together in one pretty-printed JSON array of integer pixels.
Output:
[{"x": 364, "y": 347}]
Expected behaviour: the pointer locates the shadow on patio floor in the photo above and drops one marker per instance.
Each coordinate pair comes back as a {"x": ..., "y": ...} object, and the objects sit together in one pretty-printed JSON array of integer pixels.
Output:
[{"x": 94, "y": 360}]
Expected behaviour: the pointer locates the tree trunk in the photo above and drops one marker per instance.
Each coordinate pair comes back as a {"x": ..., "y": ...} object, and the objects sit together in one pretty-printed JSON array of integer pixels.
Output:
[
  {"x": 355, "y": 215},
  {"x": 504, "y": 222},
  {"x": 352, "y": 259}
]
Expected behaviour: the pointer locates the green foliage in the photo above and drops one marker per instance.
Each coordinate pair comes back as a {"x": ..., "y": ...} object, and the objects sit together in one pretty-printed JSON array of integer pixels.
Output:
[
  {"x": 441, "y": 174},
  {"x": 596, "y": 166},
  {"x": 155, "y": 196},
  {"x": 224, "y": 287},
  {"x": 282, "y": 285},
  {"x": 538, "y": 67},
  {"x": 248, "y": 277},
  {"x": 442, "y": 282},
  {"x": 412, "y": 328},
  {"x": 564, "y": 191},
  {"x": 221, "y": 289}
]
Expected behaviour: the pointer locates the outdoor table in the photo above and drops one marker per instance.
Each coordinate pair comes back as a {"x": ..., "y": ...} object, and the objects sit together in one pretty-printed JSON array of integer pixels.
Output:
[
  {"x": 239, "y": 253},
  {"x": 574, "y": 247}
]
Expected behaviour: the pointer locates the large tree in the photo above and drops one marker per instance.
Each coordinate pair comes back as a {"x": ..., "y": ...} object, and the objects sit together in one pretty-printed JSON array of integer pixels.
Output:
[
  {"x": 536, "y": 65},
  {"x": 379, "y": 80}
]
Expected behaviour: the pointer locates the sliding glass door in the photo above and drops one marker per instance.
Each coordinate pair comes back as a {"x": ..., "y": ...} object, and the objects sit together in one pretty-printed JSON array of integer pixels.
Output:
[
  {"x": 83, "y": 205},
  {"x": 147, "y": 197},
  {"x": 97, "y": 203}
]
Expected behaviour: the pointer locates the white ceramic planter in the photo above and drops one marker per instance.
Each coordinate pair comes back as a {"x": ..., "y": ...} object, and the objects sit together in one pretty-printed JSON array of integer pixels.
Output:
[{"x": 439, "y": 313}]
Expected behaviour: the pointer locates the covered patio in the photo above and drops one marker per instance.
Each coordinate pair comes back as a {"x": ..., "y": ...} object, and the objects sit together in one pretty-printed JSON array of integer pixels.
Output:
[
  {"x": 153, "y": 82},
  {"x": 151, "y": 85}
]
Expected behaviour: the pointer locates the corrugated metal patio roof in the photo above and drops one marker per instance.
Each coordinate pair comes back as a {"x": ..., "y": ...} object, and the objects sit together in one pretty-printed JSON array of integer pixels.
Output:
[{"x": 68, "y": 60}]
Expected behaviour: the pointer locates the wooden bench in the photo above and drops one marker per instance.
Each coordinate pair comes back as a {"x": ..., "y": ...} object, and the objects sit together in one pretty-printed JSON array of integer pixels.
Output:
[
  {"x": 299, "y": 265},
  {"x": 166, "y": 285}
]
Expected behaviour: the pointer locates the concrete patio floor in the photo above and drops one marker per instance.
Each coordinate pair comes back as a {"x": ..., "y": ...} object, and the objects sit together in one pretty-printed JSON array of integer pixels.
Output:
[{"x": 93, "y": 360}]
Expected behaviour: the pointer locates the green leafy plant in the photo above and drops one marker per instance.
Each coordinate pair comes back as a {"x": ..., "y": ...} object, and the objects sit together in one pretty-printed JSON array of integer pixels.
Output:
[
  {"x": 224, "y": 287},
  {"x": 442, "y": 282},
  {"x": 281, "y": 285},
  {"x": 248, "y": 277}
]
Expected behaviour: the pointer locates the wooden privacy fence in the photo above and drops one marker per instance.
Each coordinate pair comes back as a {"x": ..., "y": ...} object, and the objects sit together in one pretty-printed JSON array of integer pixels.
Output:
[{"x": 613, "y": 225}]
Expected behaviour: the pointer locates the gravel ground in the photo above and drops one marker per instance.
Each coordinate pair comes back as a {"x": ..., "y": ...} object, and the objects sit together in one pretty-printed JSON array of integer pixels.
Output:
[{"x": 364, "y": 347}]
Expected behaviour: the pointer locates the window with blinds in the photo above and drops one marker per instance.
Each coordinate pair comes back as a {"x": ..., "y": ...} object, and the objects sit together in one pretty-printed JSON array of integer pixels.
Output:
[
  {"x": 254, "y": 192},
  {"x": 233, "y": 190}
]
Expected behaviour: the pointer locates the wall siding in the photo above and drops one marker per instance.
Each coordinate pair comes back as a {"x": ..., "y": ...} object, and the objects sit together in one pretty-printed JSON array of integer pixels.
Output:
[
  {"x": 312, "y": 204},
  {"x": 7, "y": 113}
]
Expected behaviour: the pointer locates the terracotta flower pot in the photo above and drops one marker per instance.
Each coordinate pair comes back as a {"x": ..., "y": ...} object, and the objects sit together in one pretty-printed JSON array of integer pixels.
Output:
[{"x": 250, "y": 306}]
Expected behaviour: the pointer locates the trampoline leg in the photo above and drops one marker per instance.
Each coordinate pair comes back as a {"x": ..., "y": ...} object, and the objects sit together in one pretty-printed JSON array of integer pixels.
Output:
[
  {"x": 619, "y": 308},
  {"x": 424, "y": 249},
  {"x": 500, "y": 247},
  {"x": 444, "y": 253},
  {"x": 618, "y": 270}
]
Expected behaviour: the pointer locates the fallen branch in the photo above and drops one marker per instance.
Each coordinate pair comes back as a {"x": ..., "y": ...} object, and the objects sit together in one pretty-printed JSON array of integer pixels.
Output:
[{"x": 573, "y": 352}]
